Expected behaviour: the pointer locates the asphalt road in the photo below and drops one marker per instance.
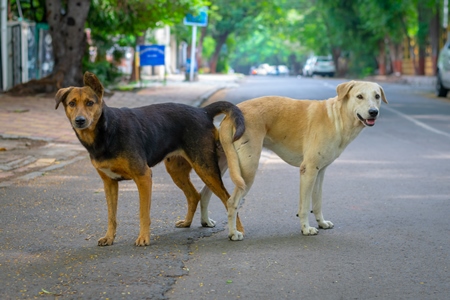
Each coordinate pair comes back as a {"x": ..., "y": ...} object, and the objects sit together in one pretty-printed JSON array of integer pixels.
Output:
[{"x": 388, "y": 196}]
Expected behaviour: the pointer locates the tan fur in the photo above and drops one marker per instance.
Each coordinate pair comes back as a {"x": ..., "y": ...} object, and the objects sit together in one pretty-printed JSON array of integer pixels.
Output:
[
  {"x": 127, "y": 163},
  {"x": 308, "y": 134}
]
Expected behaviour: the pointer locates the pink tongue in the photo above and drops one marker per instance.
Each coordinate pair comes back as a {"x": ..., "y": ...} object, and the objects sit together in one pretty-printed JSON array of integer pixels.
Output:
[{"x": 370, "y": 121}]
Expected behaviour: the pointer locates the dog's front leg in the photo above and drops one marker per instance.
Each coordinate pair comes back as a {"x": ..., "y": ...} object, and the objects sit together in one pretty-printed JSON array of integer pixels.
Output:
[
  {"x": 111, "y": 193},
  {"x": 144, "y": 185},
  {"x": 317, "y": 202},
  {"x": 308, "y": 175}
]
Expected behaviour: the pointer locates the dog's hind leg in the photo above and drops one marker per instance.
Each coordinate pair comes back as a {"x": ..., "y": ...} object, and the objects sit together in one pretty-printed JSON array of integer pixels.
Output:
[
  {"x": 213, "y": 181},
  {"x": 234, "y": 233},
  {"x": 111, "y": 193},
  {"x": 317, "y": 202},
  {"x": 249, "y": 155},
  {"x": 179, "y": 169},
  {"x": 206, "y": 193},
  {"x": 205, "y": 196}
]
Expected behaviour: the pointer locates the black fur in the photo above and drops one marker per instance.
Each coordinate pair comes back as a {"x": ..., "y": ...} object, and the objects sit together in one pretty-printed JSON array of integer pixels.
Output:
[
  {"x": 147, "y": 134},
  {"x": 236, "y": 115}
]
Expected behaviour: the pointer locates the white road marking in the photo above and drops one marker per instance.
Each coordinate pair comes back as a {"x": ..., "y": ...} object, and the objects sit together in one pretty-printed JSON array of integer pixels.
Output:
[
  {"x": 418, "y": 123},
  {"x": 409, "y": 118}
]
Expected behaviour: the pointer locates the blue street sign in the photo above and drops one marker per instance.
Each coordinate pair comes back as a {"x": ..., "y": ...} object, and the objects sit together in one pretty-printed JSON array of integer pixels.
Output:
[
  {"x": 151, "y": 55},
  {"x": 198, "y": 20}
]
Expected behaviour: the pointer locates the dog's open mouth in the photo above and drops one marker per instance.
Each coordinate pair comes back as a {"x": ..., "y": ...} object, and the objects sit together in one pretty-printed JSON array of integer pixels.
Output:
[{"x": 366, "y": 122}]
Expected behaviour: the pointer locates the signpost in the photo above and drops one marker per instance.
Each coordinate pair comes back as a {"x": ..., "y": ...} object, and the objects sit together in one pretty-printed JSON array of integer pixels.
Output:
[
  {"x": 151, "y": 55},
  {"x": 198, "y": 20}
]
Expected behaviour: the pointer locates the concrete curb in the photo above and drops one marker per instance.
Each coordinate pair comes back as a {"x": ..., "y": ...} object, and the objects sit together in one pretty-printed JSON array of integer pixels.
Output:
[{"x": 203, "y": 98}]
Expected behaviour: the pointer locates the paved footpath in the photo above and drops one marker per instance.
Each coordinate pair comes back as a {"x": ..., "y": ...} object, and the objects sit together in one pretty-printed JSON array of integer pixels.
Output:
[{"x": 35, "y": 138}]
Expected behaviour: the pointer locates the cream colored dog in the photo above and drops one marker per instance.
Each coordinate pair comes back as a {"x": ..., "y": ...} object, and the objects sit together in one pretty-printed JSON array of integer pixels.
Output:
[{"x": 304, "y": 133}]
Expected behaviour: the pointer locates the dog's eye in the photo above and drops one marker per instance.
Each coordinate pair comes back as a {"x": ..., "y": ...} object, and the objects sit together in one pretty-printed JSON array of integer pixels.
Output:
[
  {"x": 72, "y": 103},
  {"x": 90, "y": 103},
  {"x": 377, "y": 96},
  {"x": 359, "y": 96}
]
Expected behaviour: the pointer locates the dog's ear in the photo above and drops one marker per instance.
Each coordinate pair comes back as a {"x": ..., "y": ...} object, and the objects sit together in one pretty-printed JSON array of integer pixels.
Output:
[
  {"x": 344, "y": 88},
  {"x": 92, "y": 81},
  {"x": 383, "y": 97},
  {"x": 61, "y": 95}
]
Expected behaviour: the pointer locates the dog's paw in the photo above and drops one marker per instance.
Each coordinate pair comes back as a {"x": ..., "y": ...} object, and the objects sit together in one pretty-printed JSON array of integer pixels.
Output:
[
  {"x": 236, "y": 236},
  {"x": 143, "y": 240},
  {"x": 182, "y": 224},
  {"x": 105, "y": 241},
  {"x": 310, "y": 231},
  {"x": 326, "y": 225},
  {"x": 209, "y": 223}
]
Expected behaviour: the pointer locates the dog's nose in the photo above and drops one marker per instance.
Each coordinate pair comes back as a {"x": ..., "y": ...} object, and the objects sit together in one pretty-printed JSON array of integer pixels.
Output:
[
  {"x": 373, "y": 112},
  {"x": 80, "y": 121}
]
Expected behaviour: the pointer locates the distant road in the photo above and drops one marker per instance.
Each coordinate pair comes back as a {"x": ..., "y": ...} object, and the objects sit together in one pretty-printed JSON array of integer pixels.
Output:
[{"x": 388, "y": 196}]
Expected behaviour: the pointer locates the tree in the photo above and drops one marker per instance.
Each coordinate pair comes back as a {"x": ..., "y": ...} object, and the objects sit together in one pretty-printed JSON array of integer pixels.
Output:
[
  {"x": 107, "y": 19},
  {"x": 66, "y": 21},
  {"x": 228, "y": 17},
  {"x": 66, "y": 25}
]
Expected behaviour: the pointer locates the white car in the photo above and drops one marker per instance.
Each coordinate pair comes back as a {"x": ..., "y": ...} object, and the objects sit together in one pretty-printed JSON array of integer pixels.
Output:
[
  {"x": 443, "y": 71},
  {"x": 319, "y": 65},
  {"x": 279, "y": 70}
]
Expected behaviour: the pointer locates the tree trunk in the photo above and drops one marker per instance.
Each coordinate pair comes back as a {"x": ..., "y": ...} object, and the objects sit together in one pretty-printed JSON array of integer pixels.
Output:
[
  {"x": 395, "y": 50},
  {"x": 140, "y": 40},
  {"x": 336, "y": 53},
  {"x": 434, "y": 37},
  {"x": 66, "y": 26},
  {"x": 410, "y": 46},
  {"x": 198, "y": 54},
  {"x": 381, "y": 58},
  {"x": 215, "y": 57},
  {"x": 422, "y": 34}
]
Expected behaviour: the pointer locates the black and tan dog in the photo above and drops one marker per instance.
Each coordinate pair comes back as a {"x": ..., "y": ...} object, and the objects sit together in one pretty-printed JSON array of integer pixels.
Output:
[{"x": 124, "y": 144}]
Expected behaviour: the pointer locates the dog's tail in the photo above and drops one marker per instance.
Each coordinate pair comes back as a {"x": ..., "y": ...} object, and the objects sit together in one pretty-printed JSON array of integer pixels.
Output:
[
  {"x": 231, "y": 130},
  {"x": 232, "y": 111}
]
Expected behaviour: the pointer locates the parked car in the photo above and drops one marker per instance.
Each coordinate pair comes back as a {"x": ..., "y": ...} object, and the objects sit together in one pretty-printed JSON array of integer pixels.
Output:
[
  {"x": 279, "y": 70},
  {"x": 443, "y": 71},
  {"x": 282, "y": 70},
  {"x": 262, "y": 69},
  {"x": 319, "y": 65},
  {"x": 307, "y": 67}
]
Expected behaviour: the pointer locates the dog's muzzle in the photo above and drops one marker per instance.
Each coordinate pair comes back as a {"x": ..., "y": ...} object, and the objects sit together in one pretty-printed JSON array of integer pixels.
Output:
[
  {"x": 80, "y": 122},
  {"x": 373, "y": 113}
]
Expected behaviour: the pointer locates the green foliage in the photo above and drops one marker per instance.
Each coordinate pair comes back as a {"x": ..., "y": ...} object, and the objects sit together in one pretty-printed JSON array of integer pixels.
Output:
[
  {"x": 32, "y": 10},
  {"x": 106, "y": 71},
  {"x": 223, "y": 63},
  {"x": 118, "y": 22},
  {"x": 208, "y": 46},
  {"x": 238, "y": 18},
  {"x": 132, "y": 17},
  {"x": 247, "y": 33}
]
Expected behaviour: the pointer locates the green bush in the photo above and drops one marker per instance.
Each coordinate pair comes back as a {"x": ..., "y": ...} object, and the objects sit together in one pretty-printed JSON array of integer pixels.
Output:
[{"x": 106, "y": 72}]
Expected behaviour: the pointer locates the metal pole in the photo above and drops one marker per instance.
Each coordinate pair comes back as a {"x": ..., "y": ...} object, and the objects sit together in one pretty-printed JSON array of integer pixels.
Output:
[
  {"x": 445, "y": 18},
  {"x": 3, "y": 40},
  {"x": 194, "y": 41}
]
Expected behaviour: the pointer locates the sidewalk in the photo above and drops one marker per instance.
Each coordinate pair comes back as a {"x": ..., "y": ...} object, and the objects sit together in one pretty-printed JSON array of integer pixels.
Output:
[
  {"x": 417, "y": 81},
  {"x": 35, "y": 138}
]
